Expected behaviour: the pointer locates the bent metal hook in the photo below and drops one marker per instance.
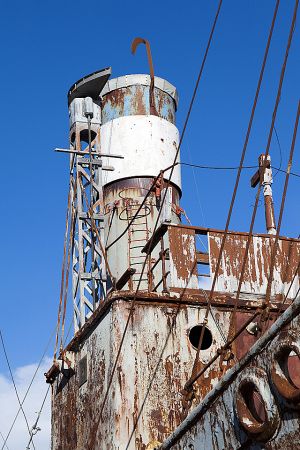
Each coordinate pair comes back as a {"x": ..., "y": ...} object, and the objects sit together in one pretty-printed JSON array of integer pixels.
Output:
[{"x": 135, "y": 43}]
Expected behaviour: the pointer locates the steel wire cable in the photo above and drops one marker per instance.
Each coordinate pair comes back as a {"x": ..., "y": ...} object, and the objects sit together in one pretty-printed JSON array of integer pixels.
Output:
[
  {"x": 281, "y": 305},
  {"x": 291, "y": 173},
  {"x": 198, "y": 166},
  {"x": 95, "y": 229},
  {"x": 280, "y": 152},
  {"x": 70, "y": 247},
  {"x": 173, "y": 323},
  {"x": 62, "y": 272},
  {"x": 218, "y": 353},
  {"x": 291, "y": 32},
  {"x": 47, "y": 346},
  {"x": 110, "y": 225},
  {"x": 187, "y": 116},
  {"x": 189, "y": 384},
  {"x": 137, "y": 212},
  {"x": 71, "y": 191},
  {"x": 29, "y": 387},
  {"x": 290, "y": 286},
  {"x": 274, "y": 114},
  {"x": 35, "y": 427},
  {"x": 174, "y": 163},
  {"x": 90, "y": 445},
  {"x": 283, "y": 198},
  {"x": 239, "y": 332},
  {"x": 14, "y": 385},
  {"x": 1, "y": 434}
]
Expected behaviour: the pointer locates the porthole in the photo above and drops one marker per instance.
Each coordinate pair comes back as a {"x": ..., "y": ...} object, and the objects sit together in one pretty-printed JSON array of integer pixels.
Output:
[
  {"x": 254, "y": 402},
  {"x": 254, "y": 405},
  {"x": 194, "y": 337},
  {"x": 293, "y": 367},
  {"x": 284, "y": 369}
]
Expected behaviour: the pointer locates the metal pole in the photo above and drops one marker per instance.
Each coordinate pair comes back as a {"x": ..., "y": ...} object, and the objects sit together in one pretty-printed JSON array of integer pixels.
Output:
[{"x": 91, "y": 211}]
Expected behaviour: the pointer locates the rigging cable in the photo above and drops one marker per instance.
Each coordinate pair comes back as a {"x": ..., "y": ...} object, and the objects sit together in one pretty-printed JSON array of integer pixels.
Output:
[
  {"x": 35, "y": 428},
  {"x": 290, "y": 287},
  {"x": 14, "y": 384},
  {"x": 95, "y": 229},
  {"x": 1, "y": 434},
  {"x": 198, "y": 166},
  {"x": 280, "y": 151},
  {"x": 185, "y": 123},
  {"x": 62, "y": 273},
  {"x": 29, "y": 387},
  {"x": 278, "y": 228},
  {"x": 218, "y": 353},
  {"x": 171, "y": 173},
  {"x": 173, "y": 323},
  {"x": 282, "y": 74},
  {"x": 70, "y": 248},
  {"x": 190, "y": 383},
  {"x": 237, "y": 334},
  {"x": 245, "y": 145},
  {"x": 157, "y": 221},
  {"x": 274, "y": 114},
  {"x": 196, "y": 184}
]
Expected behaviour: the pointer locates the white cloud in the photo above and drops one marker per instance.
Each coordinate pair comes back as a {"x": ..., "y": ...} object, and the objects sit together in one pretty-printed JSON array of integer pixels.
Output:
[{"x": 19, "y": 436}]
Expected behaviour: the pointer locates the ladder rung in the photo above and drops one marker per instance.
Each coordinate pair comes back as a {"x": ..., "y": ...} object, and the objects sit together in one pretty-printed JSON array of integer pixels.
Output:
[
  {"x": 143, "y": 279},
  {"x": 137, "y": 240}
]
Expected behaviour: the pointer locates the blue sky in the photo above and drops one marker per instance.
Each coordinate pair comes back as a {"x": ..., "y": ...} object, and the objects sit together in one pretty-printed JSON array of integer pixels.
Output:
[{"x": 46, "y": 46}]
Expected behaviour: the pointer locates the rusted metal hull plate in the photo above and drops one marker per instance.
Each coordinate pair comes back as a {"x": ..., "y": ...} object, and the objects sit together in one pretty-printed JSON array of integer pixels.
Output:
[
  {"x": 156, "y": 331},
  {"x": 226, "y": 417},
  {"x": 258, "y": 264},
  {"x": 134, "y": 100}
]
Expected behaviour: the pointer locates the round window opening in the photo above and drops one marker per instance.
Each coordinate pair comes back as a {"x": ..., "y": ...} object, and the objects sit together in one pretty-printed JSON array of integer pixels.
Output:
[
  {"x": 194, "y": 337},
  {"x": 254, "y": 402}
]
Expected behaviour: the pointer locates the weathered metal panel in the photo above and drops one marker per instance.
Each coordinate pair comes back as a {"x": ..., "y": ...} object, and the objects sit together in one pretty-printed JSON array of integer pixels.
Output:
[
  {"x": 218, "y": 422},
  {"x": 258, "y": 263},
  {"x": 129, "y": 95},
  {"x": 142, "y": 383},
  {"x": 148, "y": 144},
  {"x": 183, "y": 266},
  {"x": 140, "y": 79},
  {"x": 121, "y": 202},
  {"x": 74, "y": 411},
  {"x": 134, "y": 100}
]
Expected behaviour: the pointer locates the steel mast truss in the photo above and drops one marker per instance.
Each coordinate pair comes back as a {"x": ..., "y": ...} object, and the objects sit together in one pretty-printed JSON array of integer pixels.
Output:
[{"x": 89, "y": 278}]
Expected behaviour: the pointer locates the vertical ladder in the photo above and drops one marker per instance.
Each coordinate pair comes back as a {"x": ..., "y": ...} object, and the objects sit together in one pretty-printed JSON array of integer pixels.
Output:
[{"x": 138, "y": 236}]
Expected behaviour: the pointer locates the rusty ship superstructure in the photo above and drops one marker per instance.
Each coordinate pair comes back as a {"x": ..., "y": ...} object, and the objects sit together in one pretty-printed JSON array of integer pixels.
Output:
[{"x": 185, "y": 337}]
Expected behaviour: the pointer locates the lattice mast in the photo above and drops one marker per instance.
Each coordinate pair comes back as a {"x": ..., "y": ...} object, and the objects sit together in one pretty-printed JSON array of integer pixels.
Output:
[{"x": 89, "y": 270}]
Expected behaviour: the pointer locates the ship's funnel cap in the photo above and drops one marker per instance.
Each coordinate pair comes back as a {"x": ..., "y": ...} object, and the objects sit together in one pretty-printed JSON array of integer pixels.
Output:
[{"x": 90, "y": 85}]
